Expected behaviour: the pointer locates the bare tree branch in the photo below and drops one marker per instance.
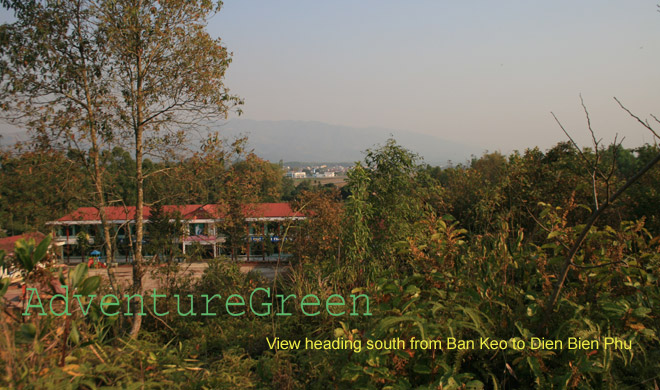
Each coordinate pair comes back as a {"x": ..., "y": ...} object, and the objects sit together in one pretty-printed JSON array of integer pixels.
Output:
[
  {"x": 571, "y": 138},
  {"x": 643, "y": 123}
]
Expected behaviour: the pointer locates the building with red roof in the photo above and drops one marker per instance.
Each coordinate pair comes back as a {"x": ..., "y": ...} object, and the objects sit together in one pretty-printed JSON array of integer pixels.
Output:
[
  {"x": 202, "y": 227},
  {"x": 7, "y": 244}
]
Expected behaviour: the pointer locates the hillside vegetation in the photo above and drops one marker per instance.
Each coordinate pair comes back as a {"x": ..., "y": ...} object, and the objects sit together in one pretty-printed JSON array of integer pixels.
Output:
[{"x": 467, "y": 252}]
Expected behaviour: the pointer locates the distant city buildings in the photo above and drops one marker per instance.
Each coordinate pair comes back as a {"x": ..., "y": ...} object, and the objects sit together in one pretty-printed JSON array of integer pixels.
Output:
[
  {"x": 325, "y": 174},
  {"x": 296, "y": 175},
  {"x": 303, "y": 175},
  {"x": 316, "y": 171}
]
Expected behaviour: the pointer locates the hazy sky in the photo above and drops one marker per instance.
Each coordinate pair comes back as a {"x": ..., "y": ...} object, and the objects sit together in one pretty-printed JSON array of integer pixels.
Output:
[{"x": 479, "y": 72}]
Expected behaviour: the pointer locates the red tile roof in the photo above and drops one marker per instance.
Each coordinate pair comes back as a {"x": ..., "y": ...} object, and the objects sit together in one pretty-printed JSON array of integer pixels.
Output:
[
  {"x": 188, "y": 212},
  {"x": 7, "y": 243}
]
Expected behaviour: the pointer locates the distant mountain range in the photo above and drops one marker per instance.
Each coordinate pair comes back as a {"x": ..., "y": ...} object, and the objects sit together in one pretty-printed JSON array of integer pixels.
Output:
[
  {"x": 306, "y": 141},
  {"x": 322, "y": 142}
]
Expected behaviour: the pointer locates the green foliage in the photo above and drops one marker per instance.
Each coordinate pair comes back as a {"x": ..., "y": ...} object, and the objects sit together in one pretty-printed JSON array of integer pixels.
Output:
[
  {"x": 395, "y": 196},
  {"x": 163, "y": 229},
  {"x": 28, "y": 255},
  {"x": 36, "y": 185},
  {"x": 25, "y": 345},
  {"x": 450, "y": 283},
  {"x": 356, "y": 219},
  {"x": 317, "y": 239},
  {"x": 494, "y": 291},
  {"x": 388, "y": 197},
  {"x": 4, "y": 282}
]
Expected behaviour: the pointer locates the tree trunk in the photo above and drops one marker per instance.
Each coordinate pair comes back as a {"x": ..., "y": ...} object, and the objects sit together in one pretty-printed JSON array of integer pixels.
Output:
[
  {"x": 138, "y": 267},
  {"x": 98, "y": 186},
  {"x": 97, "y": 174}
]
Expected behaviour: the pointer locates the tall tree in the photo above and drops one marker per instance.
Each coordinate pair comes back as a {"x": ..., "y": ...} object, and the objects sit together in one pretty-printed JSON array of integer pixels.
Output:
[
  {"x": 84, "y": 68},
  {"x": 54, "y": 79},
  {"x": 396, "y": 194},
  {"x": 245, "y": 183},
  {"x": 169, "y": 72}
]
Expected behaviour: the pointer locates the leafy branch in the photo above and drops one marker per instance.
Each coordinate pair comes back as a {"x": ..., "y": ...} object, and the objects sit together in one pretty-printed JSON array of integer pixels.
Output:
[{"x": 568, "y": 262}]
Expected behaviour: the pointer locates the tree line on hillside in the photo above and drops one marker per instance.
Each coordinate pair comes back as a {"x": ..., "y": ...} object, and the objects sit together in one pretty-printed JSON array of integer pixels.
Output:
[
  {"x": 435, "y": 266},
  {"x": 41, "y": 184}
]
